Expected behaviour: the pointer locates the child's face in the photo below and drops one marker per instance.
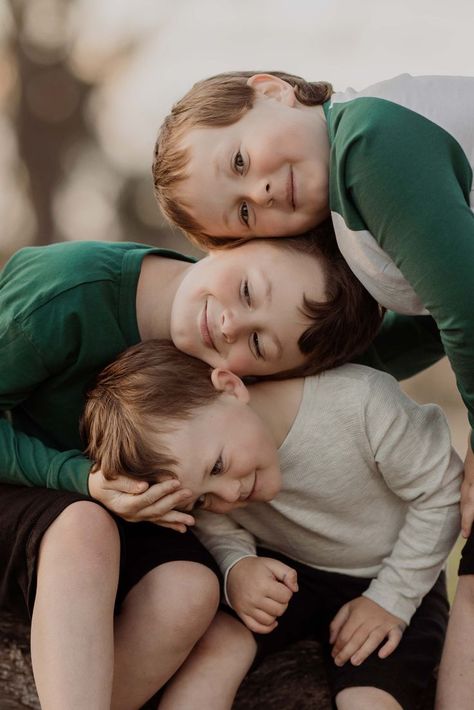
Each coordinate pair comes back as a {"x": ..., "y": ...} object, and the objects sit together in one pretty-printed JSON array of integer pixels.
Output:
[
  {"x": 226, "y": 456},
  {"x": 265, "y": 175},
  {"x": 241, "y": 308}
]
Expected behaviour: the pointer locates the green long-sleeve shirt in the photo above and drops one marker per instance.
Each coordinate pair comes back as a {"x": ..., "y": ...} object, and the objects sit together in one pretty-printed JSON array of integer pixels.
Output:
[
  {"x": 66, "y": 310},
  {"x": 401, "y": 195}
]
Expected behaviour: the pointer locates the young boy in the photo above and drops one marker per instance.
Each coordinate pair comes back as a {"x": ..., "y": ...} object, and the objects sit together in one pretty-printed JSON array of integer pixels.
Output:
[
  {"x": 351, "y": 548},
  {"x": 67, "y": 310}
]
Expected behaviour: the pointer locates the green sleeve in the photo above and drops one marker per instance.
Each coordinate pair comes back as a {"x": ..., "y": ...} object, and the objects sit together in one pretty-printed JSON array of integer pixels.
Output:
[
  {"x": 26, "y": 460},
  {"x": 404, "y": 346},
  {"x": 410, "y": 184}
]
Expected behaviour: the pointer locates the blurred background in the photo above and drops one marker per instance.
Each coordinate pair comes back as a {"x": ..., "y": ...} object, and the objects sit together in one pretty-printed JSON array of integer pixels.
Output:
[{"x": 85, "y": 84}]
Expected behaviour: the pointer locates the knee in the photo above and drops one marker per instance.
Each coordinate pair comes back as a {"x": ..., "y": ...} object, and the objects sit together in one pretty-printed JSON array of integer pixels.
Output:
[
  {"x": 190, "y": 593},
  {"x": 84, "y": 533},
  {"x": 228, "y": 635}
]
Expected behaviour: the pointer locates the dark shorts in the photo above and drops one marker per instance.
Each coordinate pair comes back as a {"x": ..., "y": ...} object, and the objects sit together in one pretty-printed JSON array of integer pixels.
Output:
[
  {"x": 26, "y": 514},
  {"x": 466, "y": 564},
  {"x": 405, "y": 674}
]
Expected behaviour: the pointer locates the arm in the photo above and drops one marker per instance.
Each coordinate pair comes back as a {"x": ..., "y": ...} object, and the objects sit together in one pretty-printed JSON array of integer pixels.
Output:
[
  {"x": 411, "y": 446},
  {"x": 258, "y": 588},
  {"x": 410, "y": 188}
]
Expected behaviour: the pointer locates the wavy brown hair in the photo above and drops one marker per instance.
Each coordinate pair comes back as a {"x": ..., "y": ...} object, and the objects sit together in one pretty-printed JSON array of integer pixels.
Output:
[{"x": 220, "y": 100}]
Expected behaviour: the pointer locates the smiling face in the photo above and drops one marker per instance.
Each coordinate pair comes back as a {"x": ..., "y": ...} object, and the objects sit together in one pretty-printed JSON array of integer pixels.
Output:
[
  {"x": 266, "y": 174},
  {"x": 241, "y": 308},
  {"x": 226, "y": 454}
]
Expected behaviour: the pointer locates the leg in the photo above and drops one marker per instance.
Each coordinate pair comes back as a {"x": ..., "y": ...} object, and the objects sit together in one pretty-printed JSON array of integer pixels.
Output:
[
  {"x": 363, "y": 698},
  {"x": 72, "y": 625},
  {"x": 456, "y": 673},
  {"x": 162, "y": 618},
  {"x": 211, "y": 675}
]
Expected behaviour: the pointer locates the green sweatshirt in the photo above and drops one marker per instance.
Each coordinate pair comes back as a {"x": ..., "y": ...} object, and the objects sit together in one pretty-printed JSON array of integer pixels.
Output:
[
  {"x": 402, "y": 199},
  {"x": 66, "y": 310}
]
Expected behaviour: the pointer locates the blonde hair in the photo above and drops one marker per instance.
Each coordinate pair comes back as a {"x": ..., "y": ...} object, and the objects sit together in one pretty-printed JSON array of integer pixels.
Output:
[{"x": 220, "y": 100}]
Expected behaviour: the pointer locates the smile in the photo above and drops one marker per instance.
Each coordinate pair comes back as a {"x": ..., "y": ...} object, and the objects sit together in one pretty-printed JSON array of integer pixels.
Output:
[
  {"x": 204, "y": 330},
  {"x": 248, "y": 496},
  {"x": 291, "y": 190}
]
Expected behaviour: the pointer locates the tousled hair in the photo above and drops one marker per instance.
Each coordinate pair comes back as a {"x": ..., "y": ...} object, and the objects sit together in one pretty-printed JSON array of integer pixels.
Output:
[
  {"x": 136, "y": 399},
  {"x": 220, "y": 100},
  {"x": 346, "y": 322}
]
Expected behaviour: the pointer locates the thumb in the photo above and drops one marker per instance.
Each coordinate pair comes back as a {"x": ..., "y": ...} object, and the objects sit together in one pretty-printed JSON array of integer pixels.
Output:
[{"x": 284, "y": 574}]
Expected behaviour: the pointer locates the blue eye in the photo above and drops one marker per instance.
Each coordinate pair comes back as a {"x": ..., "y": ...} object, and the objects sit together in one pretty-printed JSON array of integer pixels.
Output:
[
  {"x": 218, "y": 467},
  {"x": 244, "y": 213},
  {"x": 239, "y": 162}
]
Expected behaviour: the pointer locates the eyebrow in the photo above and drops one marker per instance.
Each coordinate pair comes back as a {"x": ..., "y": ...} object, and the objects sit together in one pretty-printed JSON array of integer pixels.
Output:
[{"x": 268, "y": 295}]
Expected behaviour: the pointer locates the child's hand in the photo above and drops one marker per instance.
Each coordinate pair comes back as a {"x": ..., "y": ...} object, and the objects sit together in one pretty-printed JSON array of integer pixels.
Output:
[
  {"x": 467, "y": 493},
  {"x": 259, "y": 589},
  {"x": 137, "y": 501},
  {"x": 359, "y": 627}
]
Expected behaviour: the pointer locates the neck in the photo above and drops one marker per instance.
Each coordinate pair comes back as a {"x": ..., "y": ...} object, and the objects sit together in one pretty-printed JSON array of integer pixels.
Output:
[
  {"x": 277, "y": 404},
  {"x": 157, "y": 285}
]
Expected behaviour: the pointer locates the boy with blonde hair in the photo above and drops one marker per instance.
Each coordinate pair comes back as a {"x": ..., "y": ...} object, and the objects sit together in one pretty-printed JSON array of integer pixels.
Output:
[{"x": 351, "y": 548}]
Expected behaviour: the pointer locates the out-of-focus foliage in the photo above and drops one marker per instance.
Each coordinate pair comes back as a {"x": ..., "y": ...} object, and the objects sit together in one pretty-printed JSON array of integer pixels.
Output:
[{"x": 57, "y": 182}]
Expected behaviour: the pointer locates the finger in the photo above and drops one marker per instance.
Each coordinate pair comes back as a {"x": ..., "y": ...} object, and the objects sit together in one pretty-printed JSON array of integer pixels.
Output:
[
  {"x": 173, "y": 526},
  {"x": 373, "y": 641},
  {"x": 357, "y": 640},
  {"x": 262, "y": 617},
  {"x": 278, "y": 592},
  {"x": 159, "y": 491},
  {"x": 394, "y": 638},
  {"x": 466, "y": 520},
  {"x": 176, "y": 516},
  {"x": 255, "y": 626},
  {"x": 272, "y": 607},
  {"x": 338, "y": 622},
  {"x": 283, "y": 573}
]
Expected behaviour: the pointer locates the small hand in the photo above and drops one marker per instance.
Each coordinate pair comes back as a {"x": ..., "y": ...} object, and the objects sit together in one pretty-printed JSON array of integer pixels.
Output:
[
  {"x": 259, "y": 589},
  {"x": 138, "y": 501},
  {"x": 359, "y": 627},
  {"x": 467, "y": 493}
]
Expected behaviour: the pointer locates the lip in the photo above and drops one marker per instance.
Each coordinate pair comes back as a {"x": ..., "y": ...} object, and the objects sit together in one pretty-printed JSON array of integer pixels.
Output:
[
  {"x": 290, "y": 190},
  {"x": 248, "y": 496},
  {"x": 205, "y": 330}
]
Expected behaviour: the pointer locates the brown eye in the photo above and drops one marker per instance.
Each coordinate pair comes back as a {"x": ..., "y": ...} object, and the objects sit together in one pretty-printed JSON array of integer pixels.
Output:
[
  {"x": 244, "y": 213},
  {"x": 239, "y": 162},
  {"x": 218, "y": 467}
]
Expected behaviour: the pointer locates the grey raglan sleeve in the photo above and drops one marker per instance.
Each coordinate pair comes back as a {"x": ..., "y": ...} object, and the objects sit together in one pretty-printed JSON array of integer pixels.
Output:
[
  {"x": 227, "y": 542},
  {"x": 412, "y": 449}
]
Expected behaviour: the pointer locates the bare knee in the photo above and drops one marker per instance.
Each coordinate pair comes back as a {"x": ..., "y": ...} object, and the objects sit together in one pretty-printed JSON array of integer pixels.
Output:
[
  {"x": 228, "y": 636},
  {"x": 361, "y": 698},
  {"x": 188, "y": 591},
  {"x": 83, "y": 536}
]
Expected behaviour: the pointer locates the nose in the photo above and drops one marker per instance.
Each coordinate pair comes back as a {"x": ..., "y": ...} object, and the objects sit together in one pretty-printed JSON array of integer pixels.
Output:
[
  {"x": 261, "y": 193},
  {"x": 230, "y": 326},
  {"x": 230, "y": 490}
]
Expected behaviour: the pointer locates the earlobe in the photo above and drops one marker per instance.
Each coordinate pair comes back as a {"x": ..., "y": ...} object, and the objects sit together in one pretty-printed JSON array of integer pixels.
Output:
[
  {"x": 272, "y": 87},
  {"x": 226, "y": 381}
]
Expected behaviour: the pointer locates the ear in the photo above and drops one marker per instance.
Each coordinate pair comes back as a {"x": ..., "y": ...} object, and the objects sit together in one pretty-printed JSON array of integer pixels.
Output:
[
  {"x": 272, "y": 87},
  {"x": 225, "y": 381}
]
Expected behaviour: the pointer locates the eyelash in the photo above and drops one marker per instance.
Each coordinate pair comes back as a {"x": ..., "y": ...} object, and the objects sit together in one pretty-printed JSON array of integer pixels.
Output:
[
  {"x": 218, "y": 467},
  {"x": 239, "y": 166},
  {"x": 248, "y": 300}
]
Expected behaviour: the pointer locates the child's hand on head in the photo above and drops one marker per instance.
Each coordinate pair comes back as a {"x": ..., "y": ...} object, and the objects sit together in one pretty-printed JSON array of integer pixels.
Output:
[
  {"x": 138, "y": 501},
  {"x": 259, "y": 590},
  {"x": 359, "y": 627}
]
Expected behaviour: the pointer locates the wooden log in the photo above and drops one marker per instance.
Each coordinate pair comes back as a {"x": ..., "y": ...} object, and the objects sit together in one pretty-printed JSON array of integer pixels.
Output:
[{"x": 293, "y": 679}]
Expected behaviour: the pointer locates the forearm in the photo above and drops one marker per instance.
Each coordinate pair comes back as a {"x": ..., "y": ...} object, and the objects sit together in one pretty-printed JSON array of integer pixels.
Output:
[
  {"x": 25, "y": 460},
  {"x": 226, "y": 540}
]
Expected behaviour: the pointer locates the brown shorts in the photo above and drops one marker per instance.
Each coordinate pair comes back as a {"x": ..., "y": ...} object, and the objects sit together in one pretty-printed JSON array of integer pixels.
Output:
[
  {"x": 26, "y": 514},
  {"x": 405, "y": 674}
]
